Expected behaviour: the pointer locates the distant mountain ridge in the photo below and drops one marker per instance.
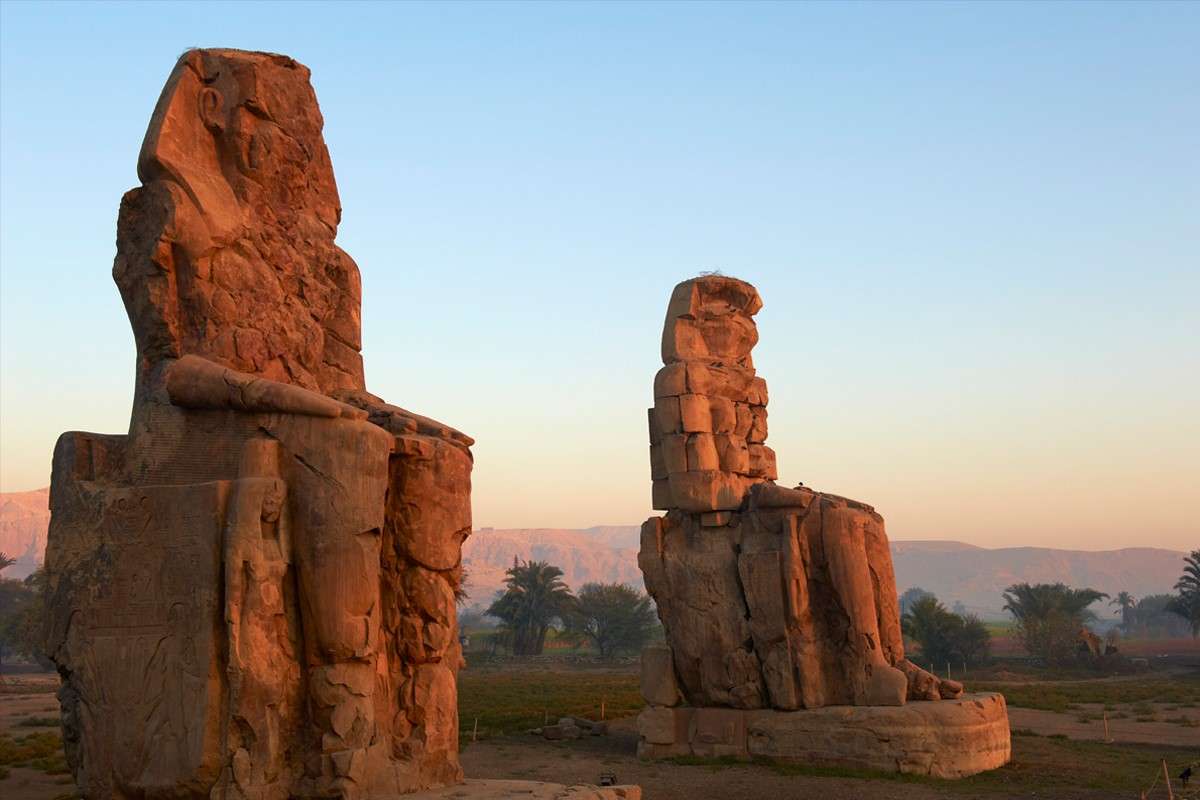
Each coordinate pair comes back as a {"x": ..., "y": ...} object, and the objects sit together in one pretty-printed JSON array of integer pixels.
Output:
[
  {"x": 954, "y": 571},
  {"x": 24, "y": 518}
]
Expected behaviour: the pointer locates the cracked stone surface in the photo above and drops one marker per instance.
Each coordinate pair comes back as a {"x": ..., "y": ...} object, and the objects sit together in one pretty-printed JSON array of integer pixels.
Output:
[{"x": 251, "y": 593}]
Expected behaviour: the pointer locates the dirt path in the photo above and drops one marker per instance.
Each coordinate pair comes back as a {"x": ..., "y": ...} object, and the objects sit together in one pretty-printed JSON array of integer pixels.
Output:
[{"x": 1070, "y": 724}]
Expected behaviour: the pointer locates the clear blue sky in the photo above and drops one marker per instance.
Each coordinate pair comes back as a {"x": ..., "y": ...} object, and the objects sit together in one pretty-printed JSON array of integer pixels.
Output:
[{"x": 974, "y": 226}]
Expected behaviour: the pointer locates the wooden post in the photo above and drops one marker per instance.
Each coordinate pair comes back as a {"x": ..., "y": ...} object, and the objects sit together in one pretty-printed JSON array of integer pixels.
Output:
[
  {"x": 475, "y": 730},
  {"x": 1107, "y": 739},
  {"x": 947, "y": 670},
  {"x": 1167, "y": 778},
  {"x": 601, "y": 708}
]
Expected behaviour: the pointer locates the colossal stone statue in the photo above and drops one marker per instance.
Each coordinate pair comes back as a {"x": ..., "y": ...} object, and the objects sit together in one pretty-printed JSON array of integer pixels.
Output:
[
  {"x": 771, "y": 598},
  {"x": 252, "y": 593}
]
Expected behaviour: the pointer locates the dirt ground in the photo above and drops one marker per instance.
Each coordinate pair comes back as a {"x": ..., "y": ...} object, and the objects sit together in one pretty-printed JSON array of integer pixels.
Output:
[
  {"x": 1071, "y": 724},
  {"x": 583, "y": 761},
  {"x": 26, "y": 700}
]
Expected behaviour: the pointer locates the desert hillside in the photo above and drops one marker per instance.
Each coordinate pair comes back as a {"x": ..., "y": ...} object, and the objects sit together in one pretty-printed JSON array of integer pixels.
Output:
[
  {"x": 604, "y": 554},
  {"x": 24, "y": 517},
  {"x": 954, "y": 571}
]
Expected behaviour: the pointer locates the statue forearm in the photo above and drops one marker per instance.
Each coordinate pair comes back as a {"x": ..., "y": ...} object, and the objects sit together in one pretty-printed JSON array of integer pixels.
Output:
[{"x": 195, "y": 382}]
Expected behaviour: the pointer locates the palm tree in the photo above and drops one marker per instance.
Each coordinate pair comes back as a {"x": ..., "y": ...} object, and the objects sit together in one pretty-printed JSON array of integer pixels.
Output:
[
  {"x": 1187, "y": 603},
  {"x": 535, "y": 597},
  {"x": 1049, "y": 616},
  {"x": 1128, "y": 606},
  {"x": 5, "y": 560},
  {"x": 926, "y": 623},
  {"x": 1026, "y": 601}
]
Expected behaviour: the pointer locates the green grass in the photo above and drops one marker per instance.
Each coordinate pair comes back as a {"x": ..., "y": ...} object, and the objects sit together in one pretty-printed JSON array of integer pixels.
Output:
[
  {"x": 41, "y": 751},
  {"x": 39, "y": 722},
  {"x": 1067, "y": 696},
  {"x": 515, "y": 701}
]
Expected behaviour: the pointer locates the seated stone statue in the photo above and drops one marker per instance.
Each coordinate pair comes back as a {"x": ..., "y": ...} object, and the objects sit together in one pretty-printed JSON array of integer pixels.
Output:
[
  {"x": 771, "y": 597},
  {"x": 252, "y": 593}
]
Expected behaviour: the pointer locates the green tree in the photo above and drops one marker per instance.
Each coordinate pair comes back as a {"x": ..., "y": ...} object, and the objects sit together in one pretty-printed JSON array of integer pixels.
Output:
[
  {"x": 1154, "y": 618},
  {"x": 910, "y": 596},
  {"x": 21, "y": 615},
  {"x": 614, "y": 617},
  {"x": 944, "y": 636},
  {"x": 1128, "y": 608},
  {"x": 1049, "y": 617},
  {"x": 535, "y": 598},
  {"x": 1187, "y": 602},
  {"x": 973, "y": 641}
]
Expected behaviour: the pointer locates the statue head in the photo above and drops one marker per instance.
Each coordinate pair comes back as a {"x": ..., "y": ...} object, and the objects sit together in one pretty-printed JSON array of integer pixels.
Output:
[
  {"x": 711, "y": 318},
  {"x": 240, "y": 133},
  {"x": 227, "y": 251},
  {"x": 272, "y": 501}
]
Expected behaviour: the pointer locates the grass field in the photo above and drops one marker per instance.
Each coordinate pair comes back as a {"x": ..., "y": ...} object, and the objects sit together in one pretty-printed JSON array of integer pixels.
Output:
[
  {"x": 1063, "y": 696},
  {"x": 512, "y": 701},
  {"x": 508, "y": 700}
]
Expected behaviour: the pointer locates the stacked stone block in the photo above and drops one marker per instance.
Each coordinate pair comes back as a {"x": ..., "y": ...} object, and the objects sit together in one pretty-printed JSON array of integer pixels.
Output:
[
  {"x": 778, "y": 604},
  {"x": 708, "y": 426}
]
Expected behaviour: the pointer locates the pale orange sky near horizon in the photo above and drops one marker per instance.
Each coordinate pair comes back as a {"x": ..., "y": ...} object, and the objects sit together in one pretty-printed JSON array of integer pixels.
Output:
[{"x": 973, "y": 226}]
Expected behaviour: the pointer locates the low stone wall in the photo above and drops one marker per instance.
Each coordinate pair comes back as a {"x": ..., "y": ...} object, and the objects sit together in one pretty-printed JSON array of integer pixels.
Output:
[{"x": 943, "y": 738}]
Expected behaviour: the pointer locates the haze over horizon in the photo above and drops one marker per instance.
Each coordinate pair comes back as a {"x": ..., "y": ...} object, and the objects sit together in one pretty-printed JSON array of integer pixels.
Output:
[{"x": 973, "y": 227}]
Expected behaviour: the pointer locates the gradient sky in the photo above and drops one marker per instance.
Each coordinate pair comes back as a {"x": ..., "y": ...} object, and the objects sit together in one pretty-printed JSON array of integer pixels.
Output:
[{"x": 974, "y": 227}]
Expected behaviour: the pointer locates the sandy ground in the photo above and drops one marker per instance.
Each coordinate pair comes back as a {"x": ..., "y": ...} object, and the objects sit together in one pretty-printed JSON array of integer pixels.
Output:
[{"x": 1128, "y": 729}]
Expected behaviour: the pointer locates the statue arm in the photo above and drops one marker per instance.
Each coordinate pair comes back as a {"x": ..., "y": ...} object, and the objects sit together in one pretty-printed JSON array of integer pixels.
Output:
[
  {"x": 195, "y": 382},
  {"x": 401, "y": 421}
]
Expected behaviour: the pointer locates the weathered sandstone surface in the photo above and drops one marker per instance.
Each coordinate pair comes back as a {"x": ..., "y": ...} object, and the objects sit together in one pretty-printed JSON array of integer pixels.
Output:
[
  {"x": 252, "y": 592},
  {"x": 771, "y": 597},
  {"x": 946, "y": 739}
]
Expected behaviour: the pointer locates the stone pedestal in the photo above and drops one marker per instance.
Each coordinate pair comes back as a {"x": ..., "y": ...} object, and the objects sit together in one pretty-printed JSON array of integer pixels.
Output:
[{"x": 943, "y": 738}]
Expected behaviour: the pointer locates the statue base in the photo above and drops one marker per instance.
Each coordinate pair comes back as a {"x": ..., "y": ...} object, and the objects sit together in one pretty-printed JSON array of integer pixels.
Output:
[{"x": 941, "y": 738}]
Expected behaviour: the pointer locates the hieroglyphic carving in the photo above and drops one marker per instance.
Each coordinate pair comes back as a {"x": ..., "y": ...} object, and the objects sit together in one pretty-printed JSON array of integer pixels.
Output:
[{"x": 140, "y": 638}]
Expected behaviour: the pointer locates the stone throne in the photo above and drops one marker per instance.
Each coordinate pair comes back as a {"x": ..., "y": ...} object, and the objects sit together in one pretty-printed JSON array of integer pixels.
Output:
[
  {"x": 779, "y": 604},
  {"x": 252, "y": 593}
]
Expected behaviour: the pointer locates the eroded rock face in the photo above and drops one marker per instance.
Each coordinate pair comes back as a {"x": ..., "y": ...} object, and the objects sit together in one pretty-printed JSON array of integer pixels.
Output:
[
  {"x": 771, "y": 597},
  {"x": 251, "y": 594}
]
